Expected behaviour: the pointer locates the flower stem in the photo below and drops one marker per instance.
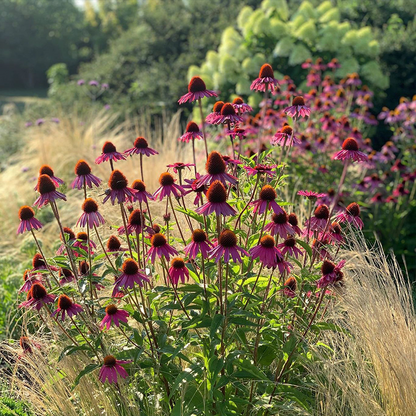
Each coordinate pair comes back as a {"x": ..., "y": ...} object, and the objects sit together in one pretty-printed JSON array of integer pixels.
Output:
[
  {"x": 203, "y": 127},
  {"x": 125, "y": 228}
]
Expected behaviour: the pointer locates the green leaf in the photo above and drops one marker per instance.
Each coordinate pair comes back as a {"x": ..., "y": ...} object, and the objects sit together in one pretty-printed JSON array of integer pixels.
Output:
[
  {"x": 72, "y": 349},
  {"x": 88, "y": 369},
  {"x": 306, "y": 246}
]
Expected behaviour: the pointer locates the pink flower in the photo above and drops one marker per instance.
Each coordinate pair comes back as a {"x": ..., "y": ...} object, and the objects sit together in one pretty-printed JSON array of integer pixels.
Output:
[
  {"x": 217, "y": 201},
  {"x": 267, "y": 201},
  {"x": 179, "y": 166},
  {"x": 90, "y": 216},
  {"x": 84, "y": 176},
  {"x": 293, "y": 221},
  {"x": 237, "y": 132},
  {"x": 37, "y": 297},
  {"x": 81, "y": 243},
  {"x": 112, "y": 369},
  {"x": 65, "y": 305},
  {"x": 260, "y": 170},
  {"x": 140, "y": 193},
  {"x": 192, "y": 186},
  {"x": 118, "y": 188},
  {"x": 285, "y": 137},
  {"x": 319, "y": 219},
  {"x": 216, "y": 168},
  {"x": 28, "y": 221},
  {"x": 168, "y": 187},
  {"x": 298, "y": 108},
  {"x": 283, "y": 265},
  {"x": 160, "y": 248},
  {"x": 48, "y": 192},
  {"x": 351, "y": 215},
  {"x": 47, "y": 170},
  {"x": 29, "y": 280},
  {"x": 196, "y": 90},
  {"x": 228, "y": 115},
  {"x": 199, "y": 244},
  {"x": 66, "y": 276},
  {"x": 113, "y": 315},
  {"x": 311, "y": 194},
  {"x": 266, "y": 252},
  {"x": 331, "y": 273},
  {"x": 178, "y": 271},
  {"x": 211, "y": 118},
  {"x": 290, "y": 287},
  {"x": 227, "y": 248},
  {"x": 141, "y": 147},
  {"x": 266, "y": 79},
  {"x": 350, "y": 151},
  {"x": 129, "y": 276},
  {"x": 135, "y": 223},
  {"x": 192, "y": 133},
  {"x": 289, "y": 246},
  {"x": 109, "y": 152},
  {"x": 280, "y": 225}
]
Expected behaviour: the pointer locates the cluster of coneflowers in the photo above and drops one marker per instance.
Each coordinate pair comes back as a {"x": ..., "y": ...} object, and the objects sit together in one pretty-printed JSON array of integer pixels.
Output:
[{"x": 231, "y": 216}]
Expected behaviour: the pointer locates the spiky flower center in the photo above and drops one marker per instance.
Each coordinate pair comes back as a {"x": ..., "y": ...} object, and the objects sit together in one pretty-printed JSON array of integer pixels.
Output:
[
  {"x": 322, "y": 212},
  {"x": 192, "y": 127},
  {"x": 238, "y": 100},
  {"x": 38, "y": 291},
  {"x": 280, "y": 218},
  {"x": 327, "y": 267},
  {"x": 64, "y": 302},
  {"x": 139, "y": 185},
  {"x": 109, "y": 147},
  {"x": 130, "y": 267},
  {"x": 293, "y": 220},
  {"x": 113, "y": 243},
  {"x": 227, "y": 110},
  {"x": 166, "y": 179},
  {"x": 82, "y": 236},
  {"x": 196, "y": 84},
  {"x": 141, "y": 143},
  {"x": 156, "y": 228},
  {"x": 38, "y": 261},
  {"x": 353, "y": 209},
  {"x": 335, "y": 228},
  {"x": 215, "y": 164},
  {"x": 71, "y": 234},
  {"x": 65, "y": 272},
  {"x": 26, "y": 213},
  {"x": 218, "y": 106},
  {"x": 291, "y": 283},
  {"x": 82, "y": 168},
  {"x": 267, "y": 241},
  {"x": 110, "y": 361},
  {"x": 266, "y": 71},
  {"x": 290, "y": 242},
  {"x": 227, "y": 239},
  {"x": 135, "y": 217},
  {"x": 199, "y": 236},
  {"x": 117, "y": 181},
  {"x": 45, "y": 184},
  {"x": 216, "y": 193},
  {"x": 177, "y": 263},
  {"x": 158, "y": 240},
  {"x": 46, "y": 170},
  {"x": 111, "y": 310},
  {"x": 89, "y": 206},
  {"x": 350, "y": 144},
  {"x": 267, "y": 193},
  {"x": 299, "y": 101},
  {"x": 287, "y": 130},
  {"x": 83, "y": 268}
]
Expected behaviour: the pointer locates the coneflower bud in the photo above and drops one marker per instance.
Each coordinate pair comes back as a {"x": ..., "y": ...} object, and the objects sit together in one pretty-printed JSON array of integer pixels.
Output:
[
  {"x": 322, "y": 212},
  {"x": 166, "y": 179},
  {"x": 113, "y": 243},
  {"x": 64, "y": 302},
  {"x": 141, "y": 143},
  {"x": 215, "y": 163},
  {"x": 196, "y": 84},
  {"x": 82, "y": 168},
  {"x": 45, "y": 184},
  {"x": 192, "y": 127},
  {"x": 130, "y": 267},
  {"x": 38, "y": 261},
  {"x": 267, "y": 241},
  {"x": 266, "y": 71},
  {"x": 353, "y": 209},
  {"x": 26, "y": 213},
  {"x": 350, "y": 144},
  {"x": 166, "y": 217},
  {"x": 199, "y": 236},
  {"x": 89, "y": 206},
  {"x": 218, "y": 106},
  {"x": 109, "y": 147},
  {"x": 227, "y": 239},
  {"x": 117, "y": 180},
  {"x": 217, "y": 193},
  {"x": 267, "y": 193},
  {"x": 135, "y": 217},
  {"x": 298, "y": 101}
]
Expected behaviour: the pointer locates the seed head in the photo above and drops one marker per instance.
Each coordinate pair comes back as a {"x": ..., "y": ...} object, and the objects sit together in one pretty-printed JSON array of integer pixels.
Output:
[
  {"x": 156, "y": 228},
  {"x": 267, "y": 241},
  {"x": 158, "y": 240},
  {"x": 266, "y": 71},
  {"x": 82, "y": 168},
  {"x": 138, "y": 185},
  {"x": 218, "y": 107},
  {"x": 83, "y": 268},
  {"x": 196, "y": 84},
  {"x": 293, "y": 219},
  {"x": 216, "y": 193},
  {"x": 267, "y": 193},
  {"x": 117, "y": 181},
  {"x": 215, "y": 164},
  {"x": 110, "y": 361},
  {"x": 199, "y": 236},
  {"x": 38, "y": 261},
  {"x": 287, "y": 130},
  {"x": 227, "y": 239},
  {"x": 327, "y": 267},
  {"x": 82, "y": 236},
  {"x": 281, "y": 218},
  {"x": 89, "y": 206},
  {"x": 45, "y": 184},
  {"x": 135, "y": 217},
  {"x": 64, "y": 302},
  {"x": 141, "y": 143},
  {"x": 26, "y": 213},
  {"x": 353, "y": 209},
  {"x": 350, "y": 144},
  {"x": 335, "y": 228},
  {"x": 111, "y": 310},
  {"x": 130, "y": 267},
  {"x": 291, "y": 283},
  {"x": 322, "y": 212},
  {"x": 65, "y": 272},
  {"x": 177, "y": 263},
  {"x": 238, "y": 100},
  {"x": 298, "y": 101},
  {"x": 113, "y": 243},
  {"x": 290, "y": 242},
  {"x": 227, "y": 110},
  {"x": 192, "y": 127},
  {"x": 71, "y": 234},
  {"x": 166, "y": 179},
  {"x": 37, "y": 291},
  {"x": 109, "y": 147}
]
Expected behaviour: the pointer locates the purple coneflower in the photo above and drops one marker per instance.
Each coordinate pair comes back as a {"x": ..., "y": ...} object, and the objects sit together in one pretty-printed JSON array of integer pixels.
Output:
[
  {"x": 47, "y": 170},
  {"x": 112, "y": 369},
  {"x": 160, "y": 247},
  {"x": 267, "y": 201},
  {"x": 285, "y": 137},
  {"x": 334, "y": 64},
  {"x": 293, "y": 221},
  {"x": 319, "y": 219},
  {"x": 266, "y": 79},
  {"x": 66, "y": 276},
  {"x": 26, "y": 345},
  {"x": 48, "y": 192},
  {"x": 353, "y": 79},
  {"x": 90, "y": 216},
  {"x": 69, "y": 237},
  {"x": 114, "y": 245},
  {"x": 81, "y": 82},
  {"x": 135, "y": 223},
  {"x": 290, "y": 287},
  {"x": 228, "y": 115},
  {"x": 192, "y": 133},
  {"x": 334, "y": 234},
  {"x": 298, "y": 108},
  {"x": 129, "y": 276},
  {"x": 331, "y": 273},
  {"x": 283, "y": 265},
  {"x": 237, "y": 132},
  {"x": 113, "y": 315},
  {"x": 266, "y": 252},
  {"x": 140, "y": 193},
  {"x": 312, "y": 195},
  {"x": 38, "y": 263},
  {"x": 289, "y": 246},
  {"x": 199, "y": 244},
  {"x": 260, "y": 170},
  {"x": 280, "y": 225},
  {"x": 84, "y": 176},
  {"x": 217, "y": 201},
  {"x": 118, "y": 188},
  {"x": 216, "y": 168},
  {"x": 29, "y": 279},
  {"x": 109, "y": 152},
  {"x": 192, "y": 186},
  {"x": 37, "y": 297},
  {"x": 179, "y": 166},
  {"x": 196, "y": 90},
  {"x": 227, "y": 248},
  {"x": 240, "y": 106},
  {"x": 28, "y": 221},
  {"x": 351, "y": 215},
  {"x": 350, "y": 151},
  {"x": 141, "y": 147},
  {"x": 216, "y": 112},
  {"x": 178, "y": 271},
  {"x": 65, "y": 305},
  {"x": 81, "y": 242},
  {"x": 168, "y": 187}
]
